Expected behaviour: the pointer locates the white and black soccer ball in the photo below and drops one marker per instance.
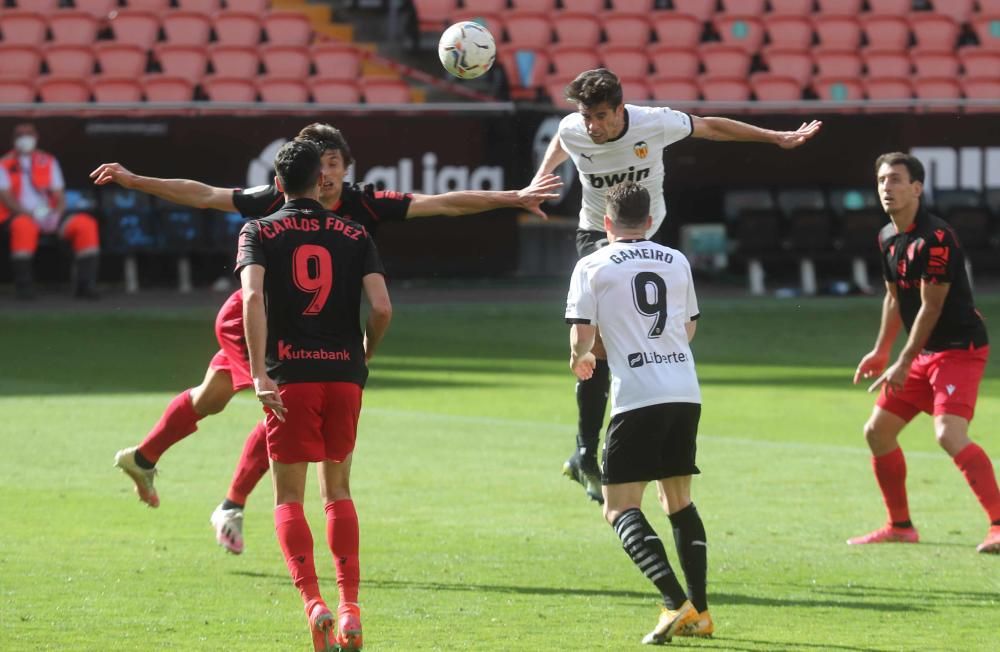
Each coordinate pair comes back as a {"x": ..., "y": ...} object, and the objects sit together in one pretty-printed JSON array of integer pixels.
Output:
[{"x": 467, "y": 50}]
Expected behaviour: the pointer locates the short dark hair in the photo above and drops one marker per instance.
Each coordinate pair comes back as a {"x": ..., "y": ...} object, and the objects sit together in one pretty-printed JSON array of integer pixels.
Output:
[
  {"x": 327, "y": 137},
  {"x": 298, "y": 166},
  {"x": 912, "y": 163},
  {"x": 628, "y": 204},
  {"x": 592, "y": 87}
]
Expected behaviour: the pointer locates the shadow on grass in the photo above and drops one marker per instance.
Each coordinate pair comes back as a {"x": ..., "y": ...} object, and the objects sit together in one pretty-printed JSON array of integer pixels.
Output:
[{"x": 752, "y": 645}]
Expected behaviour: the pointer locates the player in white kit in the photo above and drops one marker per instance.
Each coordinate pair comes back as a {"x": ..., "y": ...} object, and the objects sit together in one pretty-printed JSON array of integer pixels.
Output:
[
  {"x": 642, "y": 297},
  {"x": 611, "y": 142}
]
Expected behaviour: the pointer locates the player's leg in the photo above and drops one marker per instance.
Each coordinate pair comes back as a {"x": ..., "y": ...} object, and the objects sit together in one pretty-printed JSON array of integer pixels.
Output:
[
  {"x": 23, "y": 244},
  {"x": 691, "y": 543},
  {"x": 227, "y": 519},
  {"x": 81, "y": 230}
]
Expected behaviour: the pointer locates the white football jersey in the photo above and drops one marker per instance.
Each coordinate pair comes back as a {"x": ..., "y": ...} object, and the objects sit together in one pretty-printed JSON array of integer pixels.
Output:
[
  {"x": 640, "y": 294},
  {"x": 636, "y": 155}
]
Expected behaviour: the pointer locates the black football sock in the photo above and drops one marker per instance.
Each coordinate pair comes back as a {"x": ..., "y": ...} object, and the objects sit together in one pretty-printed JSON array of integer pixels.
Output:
[
  {"x": 592, "y": 401},
  {"x": 646, "y": 550},
  {"x": 692, "y": 549},
  {"x": 996, "y": 522},
  {"x": 903, "y": 524},
  {"x": 228, "y": 504},
  {"x": 142, "y": 462}
]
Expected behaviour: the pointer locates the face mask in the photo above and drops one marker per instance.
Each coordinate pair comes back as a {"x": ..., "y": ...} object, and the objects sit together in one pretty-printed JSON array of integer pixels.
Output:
[{"x": 25, "y": 144}]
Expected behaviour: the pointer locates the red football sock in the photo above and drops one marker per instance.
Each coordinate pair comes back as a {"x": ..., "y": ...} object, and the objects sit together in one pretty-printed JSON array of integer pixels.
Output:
[
  {"x": 178, "y": 421},
  {"x": 297, "y": 545},
  {"x": 975, "y": 465},
  {"x": 890, "y": 471},
  {"x": 252, "y": 466},
  {"x": 342, "y": 534}
]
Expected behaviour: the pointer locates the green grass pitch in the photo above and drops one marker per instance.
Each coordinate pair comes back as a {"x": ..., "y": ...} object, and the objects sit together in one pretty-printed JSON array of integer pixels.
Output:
[{"x": 471, "y": 539}]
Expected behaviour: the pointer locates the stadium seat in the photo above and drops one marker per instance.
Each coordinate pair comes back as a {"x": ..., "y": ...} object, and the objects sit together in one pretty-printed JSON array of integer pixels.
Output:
[
  {"x": 99, "y": 9},
  {"x": 527, "y": 31},
  {"x": 116, "y": 89},
  {"x": 723, "y": 89},
  {"x": 286, "y": 60},
  {"x": 837, "y": 89},
  {"x": 335, "y": 60},
  {"x": 768, "y": 87},
  {"x": 753, "y": 222},
  {"x": 492, "y": 22},
  {"x": 207, "y": 7},
  {"x": 57, "y": 89},
  {"x": 334, "y": 91},
  {"x": 19, "y": 61},
  {"x": 988, "y": 7},
  {"x": 791, "y": 7},
  {"x": 570, "y": 61},
  {"x": 579, "y": 30},
  {"x": 934, "y": 32},
  {"x": 237, "y": 28},
  {"x": 987, "y": 30},
  {"x": 677, "y": 30},
  {"x": 279, "y": 90},
  {"x": 743, "y": 7},
  {"x": 675, "y": 62},
  {"x": 187, "y": 28},
  {"x": 793, "y": 32},
  {"x": 797, "y": 64},
  {"x": 120, "y": 59},
  {"x": 939, "y": 88},
  {"x": 627, "y": 29},
  {"x": 526, "y": 71},
  {"x": 153, "y": 6},
  {"x": 554, "y": 88},
  {"x": 287, "y": 28},
  {"x": 721, "y": 60},
  {"x": 597, "y": 6},
  {"x": 229, "y": 89},
  {"x": 936, "y": 64},
  {"x": 746, "y": 32},
  {"x": 489, "y": 6},
  {"x": 624, "y": 60},
  {"x": 702, "y": 10},
  {"x": 44, "y": 7},
  {"x": 965, "y": 211},
  {"x": 70, "y": 60},
  {"x": 22, "y": 27},
  {"x": 845, "y": 63},
  {"x": 960, "y": 10},
  {"x": 838, "y": 32},
  {"x": 839, "y": 7},
  {"x": 884, "y": 89},
  {"x": 979, "y": 62},
  {"x": 234, "y": 61},
  {"x": 674, "y": 89},
  {"x": 622, "y": 6},
  {"x": 886, "y": 63},
  {"x": 859, "y": 218},
  {"x": 887, "y": 32},
  {"x": 982, "y": 88},
  {"x": 385, "y": 91},
  {"x": 16, "y": 91},
  {"x": 136, "y": 27},
  {"x": 186, "y": 61},
  {"x": 635, "y": 90},
  {"x": 533, "y": 5},
  {"x": 890, "y": 7},
  {"x": 167, "y": 88},
  {"x": 433, "y": 15},
  {"x": 251, "y": 6},
  {"x": 807, "y": 219},
  {"x": 73, "y": 27}
]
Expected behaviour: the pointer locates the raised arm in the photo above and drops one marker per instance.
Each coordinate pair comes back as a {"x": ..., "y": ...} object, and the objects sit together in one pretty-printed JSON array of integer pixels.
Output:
[
  {"x": 555, "y": 155},
  {"x": 380, "y": 314},
  {"x": 179, "y": 191},
  {"x": 726, "y": 129},
  {"x": 467, "y": 202}
]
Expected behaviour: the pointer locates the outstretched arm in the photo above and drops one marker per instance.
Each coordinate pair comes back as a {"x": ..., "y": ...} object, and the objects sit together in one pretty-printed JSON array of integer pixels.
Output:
[
  {"x": 555, "y": 155},
  {"x": 179, "y": 191},
  {"x": 726, "y": 129},
  {"x": 466, "y": 202}
]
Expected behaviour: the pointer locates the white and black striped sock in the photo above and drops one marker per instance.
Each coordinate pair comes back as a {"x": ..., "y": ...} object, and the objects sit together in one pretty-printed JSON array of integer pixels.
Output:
[{"x": 644, "y": 547}]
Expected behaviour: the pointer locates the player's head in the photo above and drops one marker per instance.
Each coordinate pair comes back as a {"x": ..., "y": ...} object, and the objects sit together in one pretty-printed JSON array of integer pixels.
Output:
[
  {"x": 297, "y": 169},
  {"x": 627, "y": 209},
  {"x": 598, "y": 97},
  {"x": 25, "y": 137},
  {"x": 900, "y": 182},
  {"x": 336, "y": 157}
]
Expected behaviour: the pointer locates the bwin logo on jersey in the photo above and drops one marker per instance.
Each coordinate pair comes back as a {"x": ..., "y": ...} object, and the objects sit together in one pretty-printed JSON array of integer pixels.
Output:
[
  {"x": 610, "y": 180},
  {"x": 641, "y": 149}
]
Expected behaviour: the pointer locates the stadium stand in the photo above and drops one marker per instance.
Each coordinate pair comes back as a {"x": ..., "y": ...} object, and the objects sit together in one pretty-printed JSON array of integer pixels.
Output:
[
  {"x": 187, "y": 61},
  {"x": 187, "y": 28},
  {"x": 120, "y": 59},
  {"x": 578, "y": 30},
  {"x": 70, "y": 60},
  {"x": 334, "y": 91},
  {"x": 669, "y": 61},
  {"x": 19, "y": 61},
  {"x": 22, "y": 27},
  {"x": 73, "y": 27}
]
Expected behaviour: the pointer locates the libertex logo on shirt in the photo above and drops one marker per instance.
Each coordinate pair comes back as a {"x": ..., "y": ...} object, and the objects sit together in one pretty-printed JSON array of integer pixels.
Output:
[{"x": 641, "y": 358}]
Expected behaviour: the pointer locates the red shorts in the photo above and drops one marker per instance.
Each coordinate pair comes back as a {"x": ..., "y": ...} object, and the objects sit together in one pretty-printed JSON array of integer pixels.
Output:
[
  {"x": 942, "y": 382},
  {"x": 233, "y": 356},
  {"x": 321, "y": 423}
]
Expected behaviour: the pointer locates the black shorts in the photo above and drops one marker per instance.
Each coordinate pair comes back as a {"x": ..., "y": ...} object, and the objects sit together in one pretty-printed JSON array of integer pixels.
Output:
[{"x": 651, "y": 443}]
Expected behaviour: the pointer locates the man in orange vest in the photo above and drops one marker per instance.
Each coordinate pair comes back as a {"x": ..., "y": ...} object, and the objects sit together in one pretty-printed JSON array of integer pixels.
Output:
[{"x": 32, "y": 203}]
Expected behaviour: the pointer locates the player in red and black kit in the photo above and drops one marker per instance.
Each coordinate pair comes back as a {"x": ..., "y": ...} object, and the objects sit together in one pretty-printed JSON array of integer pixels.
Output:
[
  {"x": 940, "y": 367},
  {"x": 228, "y": 372},
  {"x": 308, "y": 361}
]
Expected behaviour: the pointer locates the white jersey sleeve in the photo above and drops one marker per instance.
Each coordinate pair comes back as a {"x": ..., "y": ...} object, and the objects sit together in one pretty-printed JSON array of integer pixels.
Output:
[
  {"x": 676, "y": 125},
  {"x": 581, "y": 306},
  {"x": 692, "y": 300}
]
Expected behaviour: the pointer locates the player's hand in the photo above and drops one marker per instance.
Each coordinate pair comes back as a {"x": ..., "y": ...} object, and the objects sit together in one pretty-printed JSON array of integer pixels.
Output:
[
  {"x": 267, "y": 393},
  {"x": 792, "y": 139},
  {"x": 583, "y": 366},
  {"x": 871, "y": 366},
  {"x": 541, "y": 189},
  {"x": 112, "y": 173},
  {"x": 893, "y": 378}
]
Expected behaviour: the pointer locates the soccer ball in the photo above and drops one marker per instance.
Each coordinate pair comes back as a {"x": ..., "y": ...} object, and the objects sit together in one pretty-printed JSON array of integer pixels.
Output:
[{"x": 467, "y": 50}]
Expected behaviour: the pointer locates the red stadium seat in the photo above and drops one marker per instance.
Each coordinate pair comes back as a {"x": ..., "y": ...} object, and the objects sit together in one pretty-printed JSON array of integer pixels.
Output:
[
  {"x": 70, "y": 60},
  {"x": 674, "y": 89},
  {"x": 334, "y": 60},
  {"x": 890, "y": 7},
  {"x": 61, "y": 90},
  {"x": 136, "y": 27},
  {"x": 186, "y": 61},
  {"x": 979, "y": 62},
  {"x": 989, "y": 7},
  {"x": 237, "y": 28},
  {"x": 251, "y": 6},
  {"x": 492, "y": 22},
  {"x": 845, "y": 63},
  {"x": 838, "y": 32},
  {"x": 618, "y": 6},
  {"x": 278, "y": 89},
  {"x": 154, "y": 6},
  {"x": 987, "y": 31},
  {"x": 489, "y": 6},
  {"x": 73, "y": 27},
  {"x": 940, "y": 88},
  {"x": 886, "y": 89},
  {"x": 116, "y": 89},
  {"x": 378, "y": 90},
  {"x": 334, "y": 91},
  {"x": 797, "y": 64},
  {"x": 433, "y": 15},
  {"x": 22, "y": 27},
  {"x": 886, "y": 63},
  {"x": 724, "y": 90},
  {"x": 839, "y": 7},
  {"x": 625, "y": 61},
  {"x": 935, "y": 32},
  {"x": 789, "y": 31},
  {"x": 120, "y": 59},
  {"x": 960, "y": 10},
  {"x": 626, "y": 29},
  {"x": 19, "y": 61},
  {"x": 99, "y": 9},
  {"x": 700, "y": 9},
  {"x": 580, "y": 30},
  {"x": 596, "y": 6},
  {"x": 887, "y": 32},
  {"x": 677, "y": 30},
  {"x": 746, "y": 32},
  {"x": 526, "y": 71},
  {"x": 229, "y": 89},
  {"x": 286, "y": 60},
  {"x": 288, "y": 28},
  {"x": 206, "y": 7},
  {"x": 743, "y": 7},
  {"x": 982, "y": 88},
  {"x": 726, "y": 61},
  {"x": 528, "y": 30},
  {"x": 768, "y": 87},
  {"x": 791, "y": 7},
  {"x": 572, "y": 60},
  {"x": 166, "y": 88},
  {"x": 554, "y": 88},
  {"x": 834, "y": 89},
  {"x": 16, "y": 91},
  {"x": 936, "y": 64},
  {"x": 635, "y": 90},
  {"x": 675, "y": 62},
  {"x": 234, "y": 61},
  {"x": 534, "y": 5},
  {"x": 44, "y": 7},
  {"x": 187, "y": 28}
]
